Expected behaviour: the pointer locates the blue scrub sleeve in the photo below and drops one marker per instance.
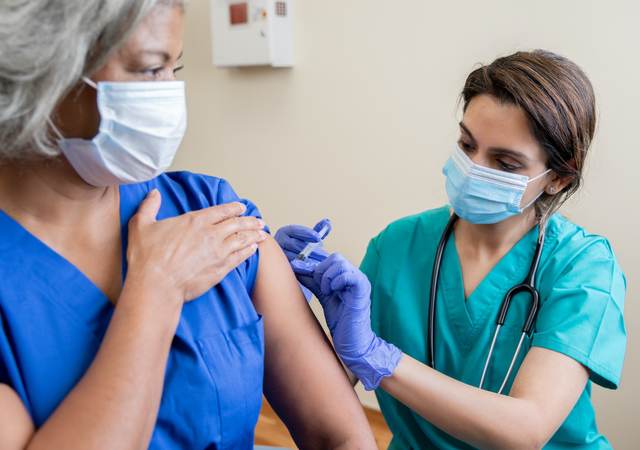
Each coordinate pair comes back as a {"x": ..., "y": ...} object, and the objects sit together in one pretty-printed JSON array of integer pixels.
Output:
[{"x": 582, "y": 315}]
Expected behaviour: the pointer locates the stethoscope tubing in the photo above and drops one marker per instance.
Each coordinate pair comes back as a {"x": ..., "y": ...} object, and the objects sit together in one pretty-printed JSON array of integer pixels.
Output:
[{"x": 528, "y": 285}]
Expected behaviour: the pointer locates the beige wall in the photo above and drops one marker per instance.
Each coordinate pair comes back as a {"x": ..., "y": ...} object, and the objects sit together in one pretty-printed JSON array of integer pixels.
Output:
[{"x": 359, "y": 129}]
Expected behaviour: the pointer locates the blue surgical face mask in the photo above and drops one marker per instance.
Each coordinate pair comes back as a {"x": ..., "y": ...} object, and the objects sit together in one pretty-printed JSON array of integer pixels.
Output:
[{"x": 481, "y": 195}]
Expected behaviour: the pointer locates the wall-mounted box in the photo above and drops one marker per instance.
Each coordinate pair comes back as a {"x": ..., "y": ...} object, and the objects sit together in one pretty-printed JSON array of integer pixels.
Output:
[{"x": 252, "y": 33}]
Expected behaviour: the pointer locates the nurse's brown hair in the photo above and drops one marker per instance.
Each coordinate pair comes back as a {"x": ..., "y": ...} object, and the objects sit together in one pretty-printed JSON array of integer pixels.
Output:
[{"x": 559, "y": 102}]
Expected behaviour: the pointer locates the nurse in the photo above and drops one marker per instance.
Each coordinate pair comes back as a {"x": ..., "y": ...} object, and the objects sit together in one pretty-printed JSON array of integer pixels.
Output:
[
  {"x": 138, "y": 309},
  {"x": 528, "y": 121}
]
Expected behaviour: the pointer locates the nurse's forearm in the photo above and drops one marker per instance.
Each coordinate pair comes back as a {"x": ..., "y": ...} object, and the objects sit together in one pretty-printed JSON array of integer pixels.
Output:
[
  {"x": 114, "y": 406},
  {"x": 485, "y": 419}
]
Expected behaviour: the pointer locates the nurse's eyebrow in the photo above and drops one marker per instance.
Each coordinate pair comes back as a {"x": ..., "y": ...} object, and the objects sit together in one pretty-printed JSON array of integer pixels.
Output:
[
  {"x": 499, "y": 150},
  {"x": 518, "y": 156},
  {"x": 466, "y": 130}
]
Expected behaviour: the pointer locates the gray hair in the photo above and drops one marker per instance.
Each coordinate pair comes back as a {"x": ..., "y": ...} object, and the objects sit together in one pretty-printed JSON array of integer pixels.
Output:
[{"x": 46, "y": 46}]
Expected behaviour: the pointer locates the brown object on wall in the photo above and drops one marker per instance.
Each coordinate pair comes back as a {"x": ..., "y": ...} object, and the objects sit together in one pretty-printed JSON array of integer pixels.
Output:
[{"x": 239, "y": 13}]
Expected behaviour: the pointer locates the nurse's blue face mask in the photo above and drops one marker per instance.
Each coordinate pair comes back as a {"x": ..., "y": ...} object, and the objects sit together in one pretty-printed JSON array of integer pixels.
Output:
[{"x": 482, "y": 195}]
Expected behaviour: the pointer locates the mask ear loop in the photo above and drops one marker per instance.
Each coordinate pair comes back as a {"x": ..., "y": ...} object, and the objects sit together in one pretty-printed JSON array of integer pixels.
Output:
[
  {"x": 541, "y": 192},
  {"x": 539, "y": 176},
  {"x": 55, "y": 129},
  {"x": 90, "y": 82}
]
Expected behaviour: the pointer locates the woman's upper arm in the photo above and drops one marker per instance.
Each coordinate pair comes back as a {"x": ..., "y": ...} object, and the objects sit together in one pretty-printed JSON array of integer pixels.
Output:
[
  {"x": 16, "y": 427},
  {"x": 551, "y": 383},
  {"x": 304, "y": 381}
]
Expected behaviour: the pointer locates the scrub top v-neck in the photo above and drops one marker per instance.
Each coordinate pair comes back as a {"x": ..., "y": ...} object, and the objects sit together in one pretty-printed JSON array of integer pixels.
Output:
[
  {"x": 53, "y": 319},
  {"x": 582, "y": 293}
]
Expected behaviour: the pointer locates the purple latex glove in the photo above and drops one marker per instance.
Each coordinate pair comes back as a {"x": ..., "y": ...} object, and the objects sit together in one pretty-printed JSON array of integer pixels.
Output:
[
  {"x": 345, "y": 295},
  {"x": 293, "y": 239}
]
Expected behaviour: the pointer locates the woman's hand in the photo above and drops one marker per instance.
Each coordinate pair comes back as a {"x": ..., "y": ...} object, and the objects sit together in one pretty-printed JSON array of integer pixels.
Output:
[
  {"x": 187, "y": 255},
  {"x": 344, "y": 293}
]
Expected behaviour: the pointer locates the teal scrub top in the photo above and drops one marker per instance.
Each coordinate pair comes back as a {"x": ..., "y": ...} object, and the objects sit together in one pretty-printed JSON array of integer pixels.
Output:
[{"x": 582, "y": 293}]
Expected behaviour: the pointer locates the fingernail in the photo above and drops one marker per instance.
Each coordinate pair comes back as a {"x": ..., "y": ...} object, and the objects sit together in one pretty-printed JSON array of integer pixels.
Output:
[
  {"x": 263, "y": 235},
  {"x": 261, "y": 223}
]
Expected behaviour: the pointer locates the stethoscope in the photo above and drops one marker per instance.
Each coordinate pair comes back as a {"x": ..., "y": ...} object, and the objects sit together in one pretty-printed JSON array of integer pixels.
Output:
[{"x": 527, "y": 286}]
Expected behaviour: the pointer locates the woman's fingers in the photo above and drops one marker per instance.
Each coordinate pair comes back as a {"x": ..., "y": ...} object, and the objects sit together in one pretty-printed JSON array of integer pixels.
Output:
[
  {"x": 220, "y": 213},
  {"x": 243, "y": 239},
  {"x": 148, "y": 209},
  {"x": 229, "y": 227}
]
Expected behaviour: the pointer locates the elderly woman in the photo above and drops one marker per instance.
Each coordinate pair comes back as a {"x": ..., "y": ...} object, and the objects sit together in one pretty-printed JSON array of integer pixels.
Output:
[{"x": 134, "y": 309}]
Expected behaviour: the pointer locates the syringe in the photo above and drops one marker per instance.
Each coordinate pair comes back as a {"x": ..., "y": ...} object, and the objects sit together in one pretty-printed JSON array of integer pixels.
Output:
[{"x": 311, "y": 246}]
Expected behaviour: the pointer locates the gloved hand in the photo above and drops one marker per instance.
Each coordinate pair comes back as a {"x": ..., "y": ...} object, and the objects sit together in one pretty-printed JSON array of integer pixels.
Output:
[
  {"x": 293, "y": 239},
  {"x": 344, "y": 293}
]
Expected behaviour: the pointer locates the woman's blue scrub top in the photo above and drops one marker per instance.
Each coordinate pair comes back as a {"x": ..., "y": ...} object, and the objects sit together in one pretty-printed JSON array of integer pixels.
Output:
[
  {"x": 581, "y": 316},
  {"x": 53, "y": 319}
]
